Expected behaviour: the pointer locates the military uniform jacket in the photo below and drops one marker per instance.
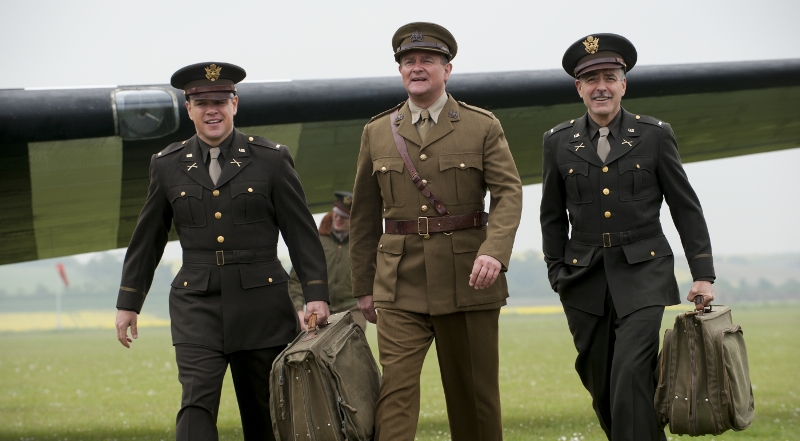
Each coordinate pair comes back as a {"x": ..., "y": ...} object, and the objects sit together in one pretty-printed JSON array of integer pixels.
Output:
[
  {"x": 257, "y": 195},
  {"x": 622, "y": 194},
  {"x": 463, "y": 154},
  {"x": 337, "y": 255}
]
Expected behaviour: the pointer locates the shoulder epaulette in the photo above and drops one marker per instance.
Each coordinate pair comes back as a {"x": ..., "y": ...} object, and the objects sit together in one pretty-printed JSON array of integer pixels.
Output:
[
  {"x": 650, "y": 120},
  {"x": 174, "y": 147},
  {"x": 263, "y": 142},
  {"x": 477, "y": 109},
  {"x": 386, "y": 112},
  {"x": 561, "y": 127}
]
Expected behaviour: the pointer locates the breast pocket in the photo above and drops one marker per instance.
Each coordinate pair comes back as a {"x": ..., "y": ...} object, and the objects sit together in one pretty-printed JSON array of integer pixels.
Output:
[
  {"x": 461, "y": 179},
  {"x": 187, "y": 204},
  {"x": 576, "y": 181},
  {"x": 636, "y": 178},
  {"x": 250, "y": 201},
  {"x": 390, "y": 178}
]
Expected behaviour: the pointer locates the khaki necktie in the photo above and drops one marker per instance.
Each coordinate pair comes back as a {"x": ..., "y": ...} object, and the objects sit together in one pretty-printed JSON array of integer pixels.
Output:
[
  {"x": 214, "y": 169},
  {"x": 424, "y": 123},
  {"x": 603, "y": 147}
]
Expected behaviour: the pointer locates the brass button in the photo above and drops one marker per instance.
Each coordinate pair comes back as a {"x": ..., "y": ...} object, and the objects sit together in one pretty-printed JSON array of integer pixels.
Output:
[
  {"x": 218, "y": 215},
  {"x": 183, "y": 193},
  {"x": 383, "y": 169},
  {"x": 605, "y": 169},
  {"x": 570, "y": 171},
  {"x": 250, "y": 138},
  {"x": 185, "y": 283},
  {"x": 638, "y": 166},
  {"x": 423, "y": 156},
  {"x": 608, "y": 214},
  {"x": 380, "y": 246},
  {"x": 574, "y": 261},
  {"x": 571, "y": 121},
  {"x": 215, "y": 192},
  {"x": 638, "y": 117},
  {"x": 269, "y": 280},
  {"x": 249, "y": 190},
  {"x": 424, "y": 208},
  {"x": 462, "y": 165},
  {"x": 653, "y": 253},
  {"x": 427, "y": 236},
  {"x": 606, "y": 191},
  {"x": 184, "y": 142},
  {"x": 221, "y": 239}
]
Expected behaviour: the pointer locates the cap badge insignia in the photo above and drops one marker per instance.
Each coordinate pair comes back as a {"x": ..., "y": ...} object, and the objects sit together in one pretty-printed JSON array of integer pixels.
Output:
[
  {"x": 399, "y": 117},
  {"x": 347, "y": 200},
  {"x": 416, "y": 36},
  {"x": 212, "y": 72},
  {"x": 592, "y": 44},
  {"x": 452, "y": 114}
]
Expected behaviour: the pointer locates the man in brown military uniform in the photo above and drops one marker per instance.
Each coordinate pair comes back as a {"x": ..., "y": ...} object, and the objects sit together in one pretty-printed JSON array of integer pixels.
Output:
[
  {"x": 437, "y": 271},
  {"x": 228, "y": 195},
  {"x": 605, "y": 176},
  {"x": 334, "y": 233}
]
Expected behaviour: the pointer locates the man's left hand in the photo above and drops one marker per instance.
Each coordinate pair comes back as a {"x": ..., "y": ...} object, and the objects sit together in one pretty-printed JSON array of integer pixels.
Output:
[
  {"x": 484, "y": 271},
  {"x": 319, "y": 308},
  {"x": 701, "y": 287}
]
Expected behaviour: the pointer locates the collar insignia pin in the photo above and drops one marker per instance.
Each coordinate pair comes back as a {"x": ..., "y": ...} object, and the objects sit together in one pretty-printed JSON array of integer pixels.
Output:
[
  {"x": 416, "y": 36},
  {"x": 579, "y": 147},
  {"x": 192, "y": 166},
  {"x": 238, "y": 164},
  {"x": 592, "y": 44},
  {"x": 452, "y": 114},
  {"x": 241, "y": 150},
  {"x": 631, "y": 130},
  {"x": 188, "y": 155},
  {"x": 577, "y": 135},
  {"x": 212, "y": 72},
  {"x": 399, "y": 117},
  {"x": 627, "y": 142}
]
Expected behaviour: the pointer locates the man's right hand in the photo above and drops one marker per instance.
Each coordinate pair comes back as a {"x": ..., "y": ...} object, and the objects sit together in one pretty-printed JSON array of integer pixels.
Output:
[
  {"x": 367, "y": 307},
  {"x": 125, "y": 320}
]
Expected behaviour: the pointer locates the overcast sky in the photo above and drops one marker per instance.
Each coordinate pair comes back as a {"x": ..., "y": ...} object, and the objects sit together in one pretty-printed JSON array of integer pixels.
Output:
[{"x": 750, "y": 202}]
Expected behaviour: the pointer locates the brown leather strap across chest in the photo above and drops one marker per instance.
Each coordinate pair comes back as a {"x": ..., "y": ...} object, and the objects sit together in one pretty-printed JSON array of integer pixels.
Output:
[
  {"x": 439, "y": 224},
  {"x": 421, "y": 184}
]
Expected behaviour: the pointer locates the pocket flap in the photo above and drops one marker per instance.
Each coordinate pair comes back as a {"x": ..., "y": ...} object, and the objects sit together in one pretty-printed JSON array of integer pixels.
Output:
[
  {"x": 647, "y": 249},
  {"x": 195, "y": 279},
  {"x": 461, "y": 161},
  {"x": 392, "y": 244},
  {"x": 385, "y": 165},
  {"x": 262, "y": 274},
  {"x": 573, "y": 168},
  {"x": 576, "y": 254},
  {"x": 633, "y": 163},
  {"x": 248, "y": 187},
  {"x": 467, "y": 241},
  {"x": 184, "y": 191}
]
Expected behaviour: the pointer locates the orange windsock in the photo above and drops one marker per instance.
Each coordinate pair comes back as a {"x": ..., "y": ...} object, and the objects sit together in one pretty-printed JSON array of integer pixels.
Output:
[{"x": 62, "y": 273}]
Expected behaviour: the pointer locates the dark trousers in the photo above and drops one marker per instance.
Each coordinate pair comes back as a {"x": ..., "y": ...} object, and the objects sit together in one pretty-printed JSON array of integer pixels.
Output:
[
  {"x": 616, "y": 359},
  {"x": 201, "y": 371},
  {"x": 466, "y": 345}
]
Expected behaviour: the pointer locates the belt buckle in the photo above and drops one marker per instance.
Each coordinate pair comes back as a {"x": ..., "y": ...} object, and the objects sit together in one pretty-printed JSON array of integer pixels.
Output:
[
  {"x": 220, "y": 257},
  {"x": 426, "y": 234},
  {"x": 606, "y": 240}
]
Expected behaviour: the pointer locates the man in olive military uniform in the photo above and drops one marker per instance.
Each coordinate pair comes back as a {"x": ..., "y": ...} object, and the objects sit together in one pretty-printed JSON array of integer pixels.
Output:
[
  {"x": 334, "y": 233},
  {"x": 605, "y": 175},
  {"x": 437, "y": 273},
  {"x": 228, "y": 195}
]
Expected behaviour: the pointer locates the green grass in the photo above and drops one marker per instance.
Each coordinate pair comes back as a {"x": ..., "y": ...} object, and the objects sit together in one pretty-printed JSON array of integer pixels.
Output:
[{"x": 82, "y": 385}]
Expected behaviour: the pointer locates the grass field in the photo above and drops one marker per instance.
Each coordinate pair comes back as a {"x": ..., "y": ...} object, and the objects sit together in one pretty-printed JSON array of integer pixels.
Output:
[{"x": 82, "y": 385}]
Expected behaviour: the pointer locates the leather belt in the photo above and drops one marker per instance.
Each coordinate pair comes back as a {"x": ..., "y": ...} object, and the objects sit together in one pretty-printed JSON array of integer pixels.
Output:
[
  {"x": 607, "y": 240},
  {"x": 437, "y": 224},
  {"x": 230, "y": 256}
]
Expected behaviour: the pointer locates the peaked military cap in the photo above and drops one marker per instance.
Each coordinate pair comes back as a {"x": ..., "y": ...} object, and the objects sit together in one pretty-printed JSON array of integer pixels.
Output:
[
  {"x": 343, "y": 202},
  {"x": 599, "y": 51},
  {"x": 214, "y": 80},
  {"x": 426, "y": 37}
]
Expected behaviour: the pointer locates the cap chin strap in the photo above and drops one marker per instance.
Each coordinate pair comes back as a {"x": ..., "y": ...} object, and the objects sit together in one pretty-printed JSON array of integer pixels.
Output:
[
  {"x": 614, "y": 60},
  {"x": 204, "y": 89},
  {"x": 423, "y": 44}
]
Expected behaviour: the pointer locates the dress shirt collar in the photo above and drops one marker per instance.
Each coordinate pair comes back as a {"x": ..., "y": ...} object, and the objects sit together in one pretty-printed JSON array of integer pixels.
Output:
[
  {"x": 435, "y": 109},
  {"x": 613, "y": 126}
]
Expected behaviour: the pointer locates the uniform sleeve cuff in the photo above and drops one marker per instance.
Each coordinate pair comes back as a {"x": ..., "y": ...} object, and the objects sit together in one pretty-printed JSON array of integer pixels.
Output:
[
  {"x": 131, "y": 301},
  {"x": 316, "y": 293},
  {"x": 702, "y": 268}
]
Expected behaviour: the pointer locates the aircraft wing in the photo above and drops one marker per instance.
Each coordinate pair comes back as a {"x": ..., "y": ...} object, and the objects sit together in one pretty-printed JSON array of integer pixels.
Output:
[{"x": 74, "y": 162}]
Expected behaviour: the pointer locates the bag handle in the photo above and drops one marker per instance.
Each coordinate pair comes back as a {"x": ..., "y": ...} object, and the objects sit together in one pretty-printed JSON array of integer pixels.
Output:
[
  {"x": 421, "y": 184},
  {"x": 699, "y": 307},
  {"x": 311, "y": 331}
]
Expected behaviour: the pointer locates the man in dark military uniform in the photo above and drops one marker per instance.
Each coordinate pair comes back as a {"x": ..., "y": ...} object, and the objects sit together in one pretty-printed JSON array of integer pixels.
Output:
[
  {"x": 605, "y": 175},
  {"x": 437, "y": 273},
  {"x": 334, "y": 233},
  {"x": 228, "y": 195}
]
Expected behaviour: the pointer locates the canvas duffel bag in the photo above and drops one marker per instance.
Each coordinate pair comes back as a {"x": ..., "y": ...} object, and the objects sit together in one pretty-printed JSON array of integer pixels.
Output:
[
  {"x": 325, "y": 384},
  {"x": 703, "y": 376}
]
